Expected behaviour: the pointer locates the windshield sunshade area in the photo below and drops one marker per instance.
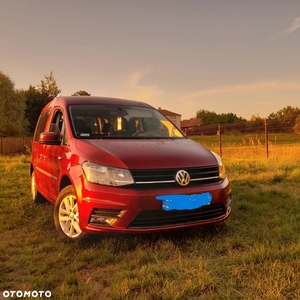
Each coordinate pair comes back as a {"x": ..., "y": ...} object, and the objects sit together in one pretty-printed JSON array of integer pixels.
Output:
[{"x": 115, "y": 121}]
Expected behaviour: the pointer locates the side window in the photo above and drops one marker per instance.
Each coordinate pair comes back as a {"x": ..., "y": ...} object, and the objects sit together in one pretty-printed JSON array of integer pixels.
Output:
[
  {"x": 41, "y": 125},
  {"x": 58, "y": 126}
]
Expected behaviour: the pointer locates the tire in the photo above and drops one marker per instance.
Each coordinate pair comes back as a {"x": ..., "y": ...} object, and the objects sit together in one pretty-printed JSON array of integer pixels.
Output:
[
  {"x": 66, "y": 216},
  {"x": 35, "y": 195}
]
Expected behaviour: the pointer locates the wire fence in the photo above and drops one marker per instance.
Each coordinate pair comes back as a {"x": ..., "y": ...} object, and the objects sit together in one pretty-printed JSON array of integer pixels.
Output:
[{"x": 262, "y": 133}]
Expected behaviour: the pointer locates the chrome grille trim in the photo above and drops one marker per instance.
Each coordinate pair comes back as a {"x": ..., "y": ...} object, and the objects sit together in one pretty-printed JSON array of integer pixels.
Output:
[
  {"x": 154, "y": 182},
  {"x": 167, "y": 176},
  {"x": 206, "y": 178},
  {"x": 173, "y": 181}
]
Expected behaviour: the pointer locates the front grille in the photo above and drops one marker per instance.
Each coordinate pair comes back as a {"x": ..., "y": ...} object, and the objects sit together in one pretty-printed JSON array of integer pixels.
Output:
[
  {"x": 166, "y": 177},
  {"x": 155, "y": 218}
]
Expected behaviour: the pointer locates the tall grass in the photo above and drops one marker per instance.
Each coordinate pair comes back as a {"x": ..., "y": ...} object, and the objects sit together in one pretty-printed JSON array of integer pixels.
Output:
[
  {"x": 282, "y": 163},
  {"x": 244, "y": 140},
  {"x": 255, "y": 254}
]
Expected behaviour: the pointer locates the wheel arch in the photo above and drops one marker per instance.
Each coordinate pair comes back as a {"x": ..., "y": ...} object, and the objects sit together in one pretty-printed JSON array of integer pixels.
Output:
[
  {"x": 31, "y": 168},
  {"x": 65, "y": 181}
]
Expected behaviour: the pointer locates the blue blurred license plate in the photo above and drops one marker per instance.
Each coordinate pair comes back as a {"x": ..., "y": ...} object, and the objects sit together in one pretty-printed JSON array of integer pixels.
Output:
[{"x": 182, "y": 202}]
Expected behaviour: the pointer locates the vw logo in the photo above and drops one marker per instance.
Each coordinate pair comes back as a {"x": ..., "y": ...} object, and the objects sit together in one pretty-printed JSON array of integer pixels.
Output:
[{"x": 182, "y": 177}]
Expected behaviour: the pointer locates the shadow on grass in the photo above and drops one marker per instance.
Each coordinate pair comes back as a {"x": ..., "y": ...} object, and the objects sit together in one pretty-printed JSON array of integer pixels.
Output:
[{"x": 179, "y": 238}]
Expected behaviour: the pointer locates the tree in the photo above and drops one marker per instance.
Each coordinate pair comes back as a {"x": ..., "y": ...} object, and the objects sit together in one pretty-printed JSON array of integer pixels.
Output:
[
  {"x": 12, "y": 108},
  {"x": 49, "y": 86},
  {"x": 296, "y": 127},
  {"x": 286, "y": 116},
  {"x": 256, "y": 118},
  {"x": 207, "y": 117},
  {"x": 211, "y": 118},
  {"x": 35, "y": 102},
  {"x": 229, "y": 118},
  {"x": 255, "y": 124},
  {"x": 37, "y": 97},
  {"x": 81, "y": 93}
]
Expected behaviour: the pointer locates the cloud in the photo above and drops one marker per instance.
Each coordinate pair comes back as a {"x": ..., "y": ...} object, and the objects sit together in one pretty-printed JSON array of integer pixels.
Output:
[
  {"x": 135, "y": 90},
  {"x": 247, "y": 89},
  {"x": 244, "y": 100},
  {"x": 294, "y": 26},
  {"x": 135, "y": 77}
]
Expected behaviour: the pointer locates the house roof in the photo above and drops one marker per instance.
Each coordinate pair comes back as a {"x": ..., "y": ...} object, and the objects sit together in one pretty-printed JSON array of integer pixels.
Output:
[
  {"x": 190, "y": 123},
  {"x": 167, "y": 112}
]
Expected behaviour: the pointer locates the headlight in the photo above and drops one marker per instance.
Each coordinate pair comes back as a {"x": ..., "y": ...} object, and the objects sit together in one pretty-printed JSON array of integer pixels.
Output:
[
  {"x": 105, "y": 175},
  {"x": 222, "y": 173}
]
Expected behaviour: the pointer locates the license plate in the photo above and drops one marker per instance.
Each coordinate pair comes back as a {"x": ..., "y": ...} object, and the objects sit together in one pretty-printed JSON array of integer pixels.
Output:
[{"x": 182, "y": 202}]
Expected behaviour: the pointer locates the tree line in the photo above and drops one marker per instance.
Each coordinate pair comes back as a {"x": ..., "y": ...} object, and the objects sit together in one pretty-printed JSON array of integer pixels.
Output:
[
  {"x": 20, "y": 109},
  {"x": 286, "y": 119}
]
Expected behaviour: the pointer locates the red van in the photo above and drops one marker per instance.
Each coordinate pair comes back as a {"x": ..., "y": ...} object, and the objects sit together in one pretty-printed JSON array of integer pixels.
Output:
[{"x": 119, "y": 166}]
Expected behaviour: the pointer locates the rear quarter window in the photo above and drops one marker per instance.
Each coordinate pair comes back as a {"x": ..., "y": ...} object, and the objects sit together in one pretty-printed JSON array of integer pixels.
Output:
[{"x": 40, "y": 127}]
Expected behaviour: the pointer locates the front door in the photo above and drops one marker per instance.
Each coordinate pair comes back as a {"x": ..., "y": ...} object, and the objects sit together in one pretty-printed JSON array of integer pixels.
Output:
[{"x": 56, "y": 156}]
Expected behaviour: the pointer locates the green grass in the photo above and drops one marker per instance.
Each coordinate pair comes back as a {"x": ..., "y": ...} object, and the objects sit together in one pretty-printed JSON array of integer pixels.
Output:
[
  {"x": 236, "y": 139},
  {"x": 255, "y": 254}
]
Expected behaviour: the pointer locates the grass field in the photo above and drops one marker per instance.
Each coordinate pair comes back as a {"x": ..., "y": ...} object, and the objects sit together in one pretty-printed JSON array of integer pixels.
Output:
[
  {"x": 244, "y": 140},
  {"x": 255, "y": 254}
]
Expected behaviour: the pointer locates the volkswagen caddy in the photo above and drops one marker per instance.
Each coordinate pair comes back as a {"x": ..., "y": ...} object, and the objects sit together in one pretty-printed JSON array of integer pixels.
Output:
[{"x": 119, "y": 166}]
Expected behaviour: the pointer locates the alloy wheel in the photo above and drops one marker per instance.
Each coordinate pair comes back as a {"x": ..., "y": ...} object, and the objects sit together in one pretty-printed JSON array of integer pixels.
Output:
[{"x": 69, "y": 217}]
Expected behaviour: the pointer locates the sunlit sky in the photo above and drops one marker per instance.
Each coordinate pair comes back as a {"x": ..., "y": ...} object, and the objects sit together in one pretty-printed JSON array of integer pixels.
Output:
[{"x": 226, "y": 56}]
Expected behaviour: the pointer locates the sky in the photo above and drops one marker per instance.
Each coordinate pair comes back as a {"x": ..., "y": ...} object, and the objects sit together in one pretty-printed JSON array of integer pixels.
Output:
[{"x": 225, "y": 56}]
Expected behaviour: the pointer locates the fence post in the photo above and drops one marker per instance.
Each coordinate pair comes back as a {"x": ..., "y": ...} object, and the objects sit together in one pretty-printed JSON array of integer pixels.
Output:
[
  {"x": 220, "y": 139},
  {"x": 267, "y": 137}
]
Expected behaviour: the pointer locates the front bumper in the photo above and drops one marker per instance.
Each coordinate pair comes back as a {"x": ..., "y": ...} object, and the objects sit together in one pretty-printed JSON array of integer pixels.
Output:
[{"x": 104, "y": 209}]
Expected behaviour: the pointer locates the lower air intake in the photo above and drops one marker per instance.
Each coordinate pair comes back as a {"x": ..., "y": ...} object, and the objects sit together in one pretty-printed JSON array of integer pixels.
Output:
[{"x": 155, "y": 218}]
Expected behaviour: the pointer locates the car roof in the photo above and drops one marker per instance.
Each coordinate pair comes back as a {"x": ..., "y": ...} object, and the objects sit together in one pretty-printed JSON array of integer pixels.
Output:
[{"x": 71, "y": 100}]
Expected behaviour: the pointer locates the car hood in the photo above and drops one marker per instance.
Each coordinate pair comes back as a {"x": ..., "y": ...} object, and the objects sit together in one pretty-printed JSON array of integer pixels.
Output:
[{"x": 147, "y": 153}]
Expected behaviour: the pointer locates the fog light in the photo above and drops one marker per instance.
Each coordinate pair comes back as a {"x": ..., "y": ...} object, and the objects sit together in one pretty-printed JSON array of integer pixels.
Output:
[
  {"x": 102, "y": 220},
  {"x": 105, "y": 217}
]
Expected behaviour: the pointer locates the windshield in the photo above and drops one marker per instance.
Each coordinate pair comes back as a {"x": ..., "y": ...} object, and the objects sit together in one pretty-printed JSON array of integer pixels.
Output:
[{"x": 115, "y": 121}]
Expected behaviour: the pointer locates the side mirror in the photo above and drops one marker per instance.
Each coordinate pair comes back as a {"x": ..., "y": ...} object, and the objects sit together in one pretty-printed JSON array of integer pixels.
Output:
[{"x": 49, "y": 138}]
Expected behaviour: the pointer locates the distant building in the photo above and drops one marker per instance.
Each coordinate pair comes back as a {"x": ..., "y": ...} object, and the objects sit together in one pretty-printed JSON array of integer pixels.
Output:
[
  {"x": 190, "y": 125},
  {"x": 173, "y": 117}
]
